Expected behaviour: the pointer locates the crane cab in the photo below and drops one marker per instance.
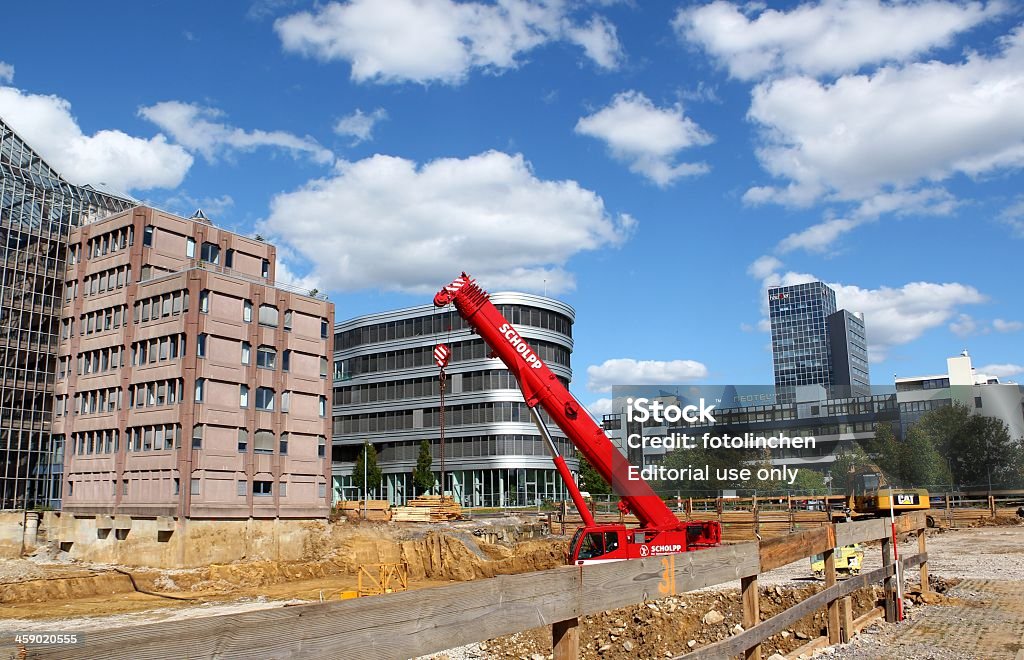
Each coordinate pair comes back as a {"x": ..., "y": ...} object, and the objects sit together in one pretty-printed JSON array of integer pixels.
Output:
[{"x": 601, "y": 543}]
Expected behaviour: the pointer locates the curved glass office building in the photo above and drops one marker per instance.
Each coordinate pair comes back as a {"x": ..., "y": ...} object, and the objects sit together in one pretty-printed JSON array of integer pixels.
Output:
[{"x": 386, "y": 392}]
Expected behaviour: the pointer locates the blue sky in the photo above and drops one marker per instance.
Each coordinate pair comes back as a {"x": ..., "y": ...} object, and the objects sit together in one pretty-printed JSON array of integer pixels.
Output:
[{"x": 656, "y": 165}]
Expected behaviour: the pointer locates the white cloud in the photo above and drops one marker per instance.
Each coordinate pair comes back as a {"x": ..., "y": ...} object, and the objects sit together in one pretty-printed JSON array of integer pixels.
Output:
[
  {"x": 599, "y": 41},
  {"x": 817, "y": 238},
  {"x": 283, "y": 274},
  {"x": 964, "y": 325},
  {"x": 438, "y": 40},
  {"x": 647, "y": 137},
  {"x": 627, "y": 371},
  {"x": 111, "y": 157},
  {"x": 764, "y": 266},
  {"x": 1001, "y": 370},
  {"x": 1001, "y": 325},
  {"x": 185, "y": 205},
  {"x": 1013, "y": 217},
  {"x": 196, "y": 128},
  {"x": 359, "y": 125},
  {"x": 600, "y": 407},
  {"x": 6, "y": 72},
  {"x": 889, "y": 131},
  {"x": 387, "y": 223},
  {"x": 893, "y": 316},
  {"x": 827, "y": 37}
]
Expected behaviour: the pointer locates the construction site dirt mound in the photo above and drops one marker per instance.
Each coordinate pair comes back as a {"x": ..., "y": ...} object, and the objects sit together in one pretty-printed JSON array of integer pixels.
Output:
[{"x": 433, "y": 557}]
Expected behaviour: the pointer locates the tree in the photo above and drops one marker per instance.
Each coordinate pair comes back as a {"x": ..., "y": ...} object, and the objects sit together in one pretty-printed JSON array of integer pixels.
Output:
[
  {"x": 914, "y": 461},
  {"x": 591, "y": 480},
  {"x": 849, "y": 459},
  {"x": 977, "y": 449},
  {"x": 422, "y": 476},
  {"x": 373, "y": 474}
]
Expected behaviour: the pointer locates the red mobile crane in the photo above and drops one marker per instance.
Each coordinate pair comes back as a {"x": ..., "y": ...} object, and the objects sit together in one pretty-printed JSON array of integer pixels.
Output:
[{"x": 660, "y": 532}]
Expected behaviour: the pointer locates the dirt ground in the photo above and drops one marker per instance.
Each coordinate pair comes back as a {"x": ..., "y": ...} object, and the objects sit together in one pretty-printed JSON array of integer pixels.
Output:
[{"x": 48, "y": 589}]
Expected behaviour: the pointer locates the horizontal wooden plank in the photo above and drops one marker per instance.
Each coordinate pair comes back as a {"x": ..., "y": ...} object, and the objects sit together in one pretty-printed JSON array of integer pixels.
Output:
[
  {"x": 618, "y": 584},
  {"x": 387, "y": 627},
  {"x": 860, "y": 531},
  {"x": 739, "y": 643},
  {"x": 787, "y": 549}
]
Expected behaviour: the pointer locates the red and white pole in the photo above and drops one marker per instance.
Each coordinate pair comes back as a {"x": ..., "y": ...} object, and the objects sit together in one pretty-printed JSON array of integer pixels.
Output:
[{"x": 896, "y": 559}]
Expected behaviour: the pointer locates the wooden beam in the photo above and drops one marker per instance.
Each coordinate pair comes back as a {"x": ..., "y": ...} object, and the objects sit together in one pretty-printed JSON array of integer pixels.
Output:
[
  {"x": 921, "y": 549},
  {"x": 565, "y": 639},
  {"x": 387, "y": 627},
  {"x": 617, "y": 584},
  {"x": 787, "y": 549},
  {"x": 832, "y": 617},
  {"x": 889, "y": 586},
  {"x": 845, "y": 619},
  {"x": 751, "y": 613}
]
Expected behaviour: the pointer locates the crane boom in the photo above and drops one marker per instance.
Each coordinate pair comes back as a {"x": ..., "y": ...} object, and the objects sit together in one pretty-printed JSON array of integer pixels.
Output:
[{"x": 542, "y": 388}]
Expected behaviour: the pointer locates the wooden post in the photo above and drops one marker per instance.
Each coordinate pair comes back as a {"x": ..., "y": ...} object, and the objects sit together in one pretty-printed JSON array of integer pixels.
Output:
[
  {"x": 751, "y": 613},
  {"x": 562, "y": 514},
  {"x": 833, "y": 606},
  {"x": 689, "y": 508},
  {"x": 789, "y": 509},
  {"x": 565, "y": 639},
  {"x": 924, "y": 565},
  {"x": 949, "y": 513},
  {"x": 890, "y": 582},
  {"x": 992, "y": 506},
  {"x": 845, "y": 619},
  {"x": 757, "y": 517}
]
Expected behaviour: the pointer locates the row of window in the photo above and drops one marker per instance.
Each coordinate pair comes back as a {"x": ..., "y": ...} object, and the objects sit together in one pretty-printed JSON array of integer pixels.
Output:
[
  {"x": 107, "y": 280},
  {"x": 422, "y": 356},
  {"x": 102, "y": 320},
  {"x": 111, "y": 241},
  {"x": 410, "y": 388},
  {"x": 260, "y": 487},
  {"x": 447, "y": 322},
  {"x": 476, "y": 445},
  {"x": 94, "y": 442},
  {"x": 97, "y": 361},
  {"x": 163, "y": 305},
  {"x": 156, "y": 393},
  {"x": 461, "y": 415},
  {"x": 158, "y": 349},
  {"x": 98, "y": 401}
]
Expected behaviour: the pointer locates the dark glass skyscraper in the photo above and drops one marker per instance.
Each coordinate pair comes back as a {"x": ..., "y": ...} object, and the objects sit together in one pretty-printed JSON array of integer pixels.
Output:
[
  {"x": 813, "y": 343},
  {"x": 37, "y": 210}
]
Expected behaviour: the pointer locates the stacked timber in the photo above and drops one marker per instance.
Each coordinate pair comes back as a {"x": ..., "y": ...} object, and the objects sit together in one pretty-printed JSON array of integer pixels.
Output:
[
  {"x": 375, "y": 510},
  {"x": 428, "y": 508}
]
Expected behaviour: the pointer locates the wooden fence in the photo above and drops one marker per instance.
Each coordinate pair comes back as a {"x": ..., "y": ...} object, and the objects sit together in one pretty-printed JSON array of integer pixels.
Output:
[{"x": 413, "y": 623}]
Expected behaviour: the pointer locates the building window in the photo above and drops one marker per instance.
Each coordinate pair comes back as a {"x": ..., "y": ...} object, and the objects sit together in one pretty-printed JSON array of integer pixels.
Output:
[
  {"x": 323, "y": 406},
  {"x": 243, "y": 396},
  {"x": 977, "y": 402},
  {"x": 241, "y": 488},
  {"x": 246, "y": 350},
  {"x": 201, "y": 345},
  {"x": 247, "y": 311},
  {"x": 176, "y": 487},
  {"x": 288, "y": 315},
  {"x": 264, "y": 442},
  {"x": 195, "y": 487},
  {"x": 268, "y": 315},
  {"x": 286, "y": 360},
  {"x": 229, "y": 259},
  {"x": 197, "y": 436},
  {"x": 147, "y": 236},
  {"x": 283, "y": 489},
  {"x": 262, "y": 488},
  {"x": 266, "y": 357},
  {"x": 264, "y": 398},
  {"x": 286, "y": 400},
  {"x": 321, "y": 490},
  {"x": 324, "y": 329},
  {"x": 266, "y": 268},
  {"x": 210, "y": 252},
  {"x": 190, "y": 248},
  {"x": 321, "y": 446},
  {"x": 200, "y": 385},
  {"x": 204, "y": 301},
  {"x": 323, "y": 367},
  {"x": 283, "y": 444},
  {"x": 243, "y": 441}
]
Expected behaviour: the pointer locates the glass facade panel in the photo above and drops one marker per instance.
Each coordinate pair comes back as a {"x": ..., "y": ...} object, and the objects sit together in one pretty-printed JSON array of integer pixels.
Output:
[{"x": 38, "y": 208}]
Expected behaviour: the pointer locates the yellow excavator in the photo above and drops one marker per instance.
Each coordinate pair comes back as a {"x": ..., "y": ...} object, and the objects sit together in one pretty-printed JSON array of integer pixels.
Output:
[{"x": 871, "y": 496}]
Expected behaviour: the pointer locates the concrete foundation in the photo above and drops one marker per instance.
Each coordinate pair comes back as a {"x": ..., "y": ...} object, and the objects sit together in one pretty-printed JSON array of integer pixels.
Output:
[{"x": 166, "y": 542}]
